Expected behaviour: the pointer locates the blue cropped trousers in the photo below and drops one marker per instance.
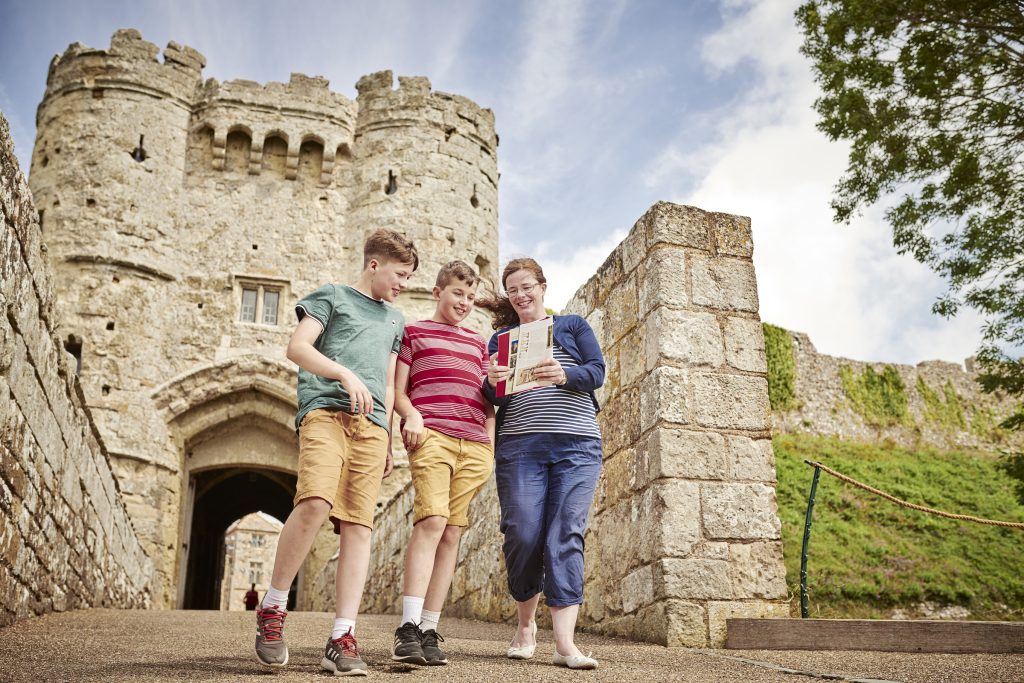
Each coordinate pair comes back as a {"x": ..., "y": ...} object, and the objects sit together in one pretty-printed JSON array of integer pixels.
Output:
[{"x": 546, "y": 484}]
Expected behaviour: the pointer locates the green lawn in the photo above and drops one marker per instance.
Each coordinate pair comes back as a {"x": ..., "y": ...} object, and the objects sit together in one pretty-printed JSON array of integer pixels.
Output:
[{"x": 868, "y": 556}]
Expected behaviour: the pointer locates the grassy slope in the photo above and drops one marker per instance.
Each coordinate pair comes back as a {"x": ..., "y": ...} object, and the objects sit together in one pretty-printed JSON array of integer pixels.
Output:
[{"x": 868, "y": 555}]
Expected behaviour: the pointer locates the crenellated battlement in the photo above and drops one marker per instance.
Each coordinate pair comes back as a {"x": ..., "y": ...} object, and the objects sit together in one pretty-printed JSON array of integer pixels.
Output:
[
  {"x": 414, "y": 102},
  {"x": 130, "y": 62}
]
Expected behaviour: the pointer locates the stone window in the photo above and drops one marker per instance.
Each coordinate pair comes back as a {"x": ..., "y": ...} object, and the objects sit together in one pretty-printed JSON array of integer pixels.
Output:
[
  {"x": 271, "y": 299},
  {"x": 258, "y": 540},
  {"x": 259, "y": 300},
  {"x": 249, "y": 297},
  {"x": 255, "y": 572}
]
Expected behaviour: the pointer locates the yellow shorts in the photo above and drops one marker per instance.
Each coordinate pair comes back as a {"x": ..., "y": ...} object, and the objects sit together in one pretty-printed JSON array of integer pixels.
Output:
[
  {"x": 446, "y": 474},
  {"x": 343, "y": 463}
]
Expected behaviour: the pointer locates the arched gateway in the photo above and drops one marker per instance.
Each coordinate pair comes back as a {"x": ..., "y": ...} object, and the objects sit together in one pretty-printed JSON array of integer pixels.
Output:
[{"x": 232, "y": 426}]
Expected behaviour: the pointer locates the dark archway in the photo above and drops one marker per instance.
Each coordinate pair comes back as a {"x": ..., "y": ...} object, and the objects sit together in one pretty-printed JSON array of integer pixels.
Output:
[{"x": 221, "y": 497}]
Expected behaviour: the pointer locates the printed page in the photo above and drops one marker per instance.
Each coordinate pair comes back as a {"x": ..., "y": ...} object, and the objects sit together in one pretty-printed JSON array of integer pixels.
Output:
[{"x": 524, "y": 348}]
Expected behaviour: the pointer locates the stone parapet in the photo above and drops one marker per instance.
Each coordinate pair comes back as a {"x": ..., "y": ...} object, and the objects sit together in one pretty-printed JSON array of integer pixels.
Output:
[
  {"x": 66, "y": 539},
  {"x": 937, "y": 403}
]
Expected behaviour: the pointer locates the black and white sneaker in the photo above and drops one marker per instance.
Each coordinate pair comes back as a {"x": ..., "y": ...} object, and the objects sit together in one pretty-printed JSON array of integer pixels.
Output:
[
  {"x": 407, "y": 644},
  {"x": 435, "y": 655}
]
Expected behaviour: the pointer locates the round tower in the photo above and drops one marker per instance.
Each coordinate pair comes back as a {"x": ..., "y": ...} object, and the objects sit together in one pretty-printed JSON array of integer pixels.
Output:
[
  {"x": 107, "y": 169},
  {"x": 425, "y": 163},
  {"x": 107, "y": 172}
]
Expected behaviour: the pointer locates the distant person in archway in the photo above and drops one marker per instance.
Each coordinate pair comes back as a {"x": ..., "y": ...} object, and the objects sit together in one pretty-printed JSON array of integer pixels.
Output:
[
  {"x": 547, "y": 461},
  {"x": 251, "y": 599},
  {"x": 346, "y": 346}
]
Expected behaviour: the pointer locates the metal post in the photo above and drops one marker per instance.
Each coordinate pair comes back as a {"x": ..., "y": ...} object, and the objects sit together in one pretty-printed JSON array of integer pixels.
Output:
[{"x": 804, "y": 603}]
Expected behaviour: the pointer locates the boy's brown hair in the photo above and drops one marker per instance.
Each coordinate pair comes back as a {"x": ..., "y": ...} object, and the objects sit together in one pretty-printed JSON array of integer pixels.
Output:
[
  {"x": 456, "y": 270},
  {"x": 387, "y": 245}
]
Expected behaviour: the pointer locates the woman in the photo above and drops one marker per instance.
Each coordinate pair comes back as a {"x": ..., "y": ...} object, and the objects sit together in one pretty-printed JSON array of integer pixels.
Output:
[{"x": 547, "y": 462}]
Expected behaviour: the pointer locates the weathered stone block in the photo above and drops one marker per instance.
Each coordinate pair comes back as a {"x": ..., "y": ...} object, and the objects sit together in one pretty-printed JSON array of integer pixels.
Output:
[
  {"x": 683, "y": 337},
  {"x": 685, "y": 226},
  {"x": 756, "y": 570},
  {"x": 684, "y": 454},
  {"x": 620, "y": 310},
  {"x": 663, "y": 396},
  {"x": 744, "y": 344},
  {"x": 694, "y": 579},
  {"x": 751, "y": 459},
  {"x": 664, "y": 281},
  {"x": 739, "y": 511},
  {"x": 620, "y": 420},
  {"x": 732, "y": 235},
  {"x": 730, "y": 401},
  {"x": 723, "y": 284},
  {"x": 638, "y": 589}
]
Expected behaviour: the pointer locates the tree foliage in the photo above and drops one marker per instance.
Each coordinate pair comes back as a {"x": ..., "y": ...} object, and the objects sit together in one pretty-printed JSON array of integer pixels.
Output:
[{"x": 930, "y": 94}]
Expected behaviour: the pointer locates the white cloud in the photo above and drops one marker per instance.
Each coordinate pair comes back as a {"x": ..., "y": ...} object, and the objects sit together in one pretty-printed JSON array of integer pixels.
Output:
[
  {"x": 843, "y": 285},
  {"x": 551, "y": 35}
]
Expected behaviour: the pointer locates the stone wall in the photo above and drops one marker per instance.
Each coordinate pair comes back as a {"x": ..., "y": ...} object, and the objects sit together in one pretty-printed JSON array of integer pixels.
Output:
[
  {"x": 936, "y": 403},
  {"x": 684, "y": 531},
  {"x": 66, "y": 539}
]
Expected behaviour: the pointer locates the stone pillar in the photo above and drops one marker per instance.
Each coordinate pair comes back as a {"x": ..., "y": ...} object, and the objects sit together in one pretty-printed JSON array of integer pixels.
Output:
[{"x": 684, "y": 531}]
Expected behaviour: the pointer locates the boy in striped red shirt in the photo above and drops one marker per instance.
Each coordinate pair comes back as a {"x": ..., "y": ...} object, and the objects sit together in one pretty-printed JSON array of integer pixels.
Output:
[{"x": 448, "y": 429}]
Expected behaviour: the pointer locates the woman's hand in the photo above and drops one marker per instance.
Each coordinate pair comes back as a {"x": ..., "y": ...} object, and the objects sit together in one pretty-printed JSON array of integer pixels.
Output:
[
  {"x": 497, "y": 373},
  {"x": 549, "y": 370},
  {"x": 412, "y": 432}
]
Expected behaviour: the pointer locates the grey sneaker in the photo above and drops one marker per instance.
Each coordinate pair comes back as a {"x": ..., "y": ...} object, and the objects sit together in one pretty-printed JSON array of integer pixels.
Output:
[
  {"x": 435, "y": 655},
  {"x": 341, "y": 657},
  {"x": 407, "y": 644},
  {"x": 270, "y": 647}
]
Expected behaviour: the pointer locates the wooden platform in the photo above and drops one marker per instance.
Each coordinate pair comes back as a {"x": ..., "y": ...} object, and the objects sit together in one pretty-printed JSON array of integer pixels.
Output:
[{"x": 876, "y": 635}]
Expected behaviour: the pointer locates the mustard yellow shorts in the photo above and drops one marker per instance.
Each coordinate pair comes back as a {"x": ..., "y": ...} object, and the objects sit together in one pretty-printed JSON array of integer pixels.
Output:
[
  {"x": 446, "y": 473},
  {"x": 343, "y": 463}
]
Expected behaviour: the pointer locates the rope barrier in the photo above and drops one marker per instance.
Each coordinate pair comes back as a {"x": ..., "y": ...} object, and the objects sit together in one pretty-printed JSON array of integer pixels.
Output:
[{"x": 912, "y": 506}]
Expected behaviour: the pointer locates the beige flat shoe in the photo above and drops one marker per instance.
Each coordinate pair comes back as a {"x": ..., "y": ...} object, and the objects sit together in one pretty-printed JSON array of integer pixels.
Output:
[
  {"x": 525, "y": 651},
  {"x": 575, "y": 661}
]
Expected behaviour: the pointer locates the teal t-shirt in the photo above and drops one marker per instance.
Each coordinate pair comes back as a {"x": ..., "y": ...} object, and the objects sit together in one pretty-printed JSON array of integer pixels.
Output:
[{"x": 360, "y": 333}]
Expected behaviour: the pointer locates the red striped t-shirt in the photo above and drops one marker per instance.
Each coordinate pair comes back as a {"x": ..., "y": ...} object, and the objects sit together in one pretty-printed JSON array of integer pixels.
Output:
[{"x": 446, "y": 367}]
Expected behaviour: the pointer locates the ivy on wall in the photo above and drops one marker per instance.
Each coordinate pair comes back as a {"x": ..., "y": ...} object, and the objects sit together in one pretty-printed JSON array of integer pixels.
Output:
[
  {"x": 944, "y": 410},
  {"x": 778, "y": 347},
  {"x": 878, "y": 397}
]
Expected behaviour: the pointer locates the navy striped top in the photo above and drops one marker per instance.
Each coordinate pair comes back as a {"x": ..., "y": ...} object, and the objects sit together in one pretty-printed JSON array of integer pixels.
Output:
[{"x": 552, "y": 409}]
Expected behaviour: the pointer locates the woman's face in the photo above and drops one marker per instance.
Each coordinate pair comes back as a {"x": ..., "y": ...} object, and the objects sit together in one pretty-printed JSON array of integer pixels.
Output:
[{"x": 526, "y": 295}]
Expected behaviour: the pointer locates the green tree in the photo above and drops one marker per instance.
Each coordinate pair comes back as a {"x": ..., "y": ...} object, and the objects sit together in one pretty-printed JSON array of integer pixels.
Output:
[{"x": 930, "y": 95}]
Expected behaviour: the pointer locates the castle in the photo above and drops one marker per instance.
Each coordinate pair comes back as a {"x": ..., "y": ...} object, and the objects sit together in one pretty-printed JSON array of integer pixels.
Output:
[{"x": 184, "y": 219}]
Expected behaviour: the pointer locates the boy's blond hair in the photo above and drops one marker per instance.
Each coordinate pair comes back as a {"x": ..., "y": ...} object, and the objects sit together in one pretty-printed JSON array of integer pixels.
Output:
[
  {"x": 456, "y": 270},
  {"x": 387, "y": 245}
]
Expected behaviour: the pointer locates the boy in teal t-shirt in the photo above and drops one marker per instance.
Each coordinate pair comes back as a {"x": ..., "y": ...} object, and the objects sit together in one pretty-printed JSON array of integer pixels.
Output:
[{"x": 346, "y": 346}]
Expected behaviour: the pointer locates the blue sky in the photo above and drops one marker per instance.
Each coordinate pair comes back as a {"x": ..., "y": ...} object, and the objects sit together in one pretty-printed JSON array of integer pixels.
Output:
[{"x": 603, "y": 108}]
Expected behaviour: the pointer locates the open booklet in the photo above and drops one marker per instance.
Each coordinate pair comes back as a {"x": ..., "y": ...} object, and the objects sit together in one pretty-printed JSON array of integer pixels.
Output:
[{"x": 521, "y": 349}]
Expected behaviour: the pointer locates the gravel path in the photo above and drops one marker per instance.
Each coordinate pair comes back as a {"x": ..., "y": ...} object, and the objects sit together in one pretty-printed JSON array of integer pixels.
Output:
[{"x": 116, "y": 645}]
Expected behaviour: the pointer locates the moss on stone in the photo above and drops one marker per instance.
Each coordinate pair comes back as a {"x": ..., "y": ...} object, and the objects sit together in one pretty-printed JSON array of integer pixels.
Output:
[
  {"x": 879, "y": 398},
  {"x": 985, "y": 425},
  {"x": 778, "y": 348},
  {"x": 943, "y": 410}
]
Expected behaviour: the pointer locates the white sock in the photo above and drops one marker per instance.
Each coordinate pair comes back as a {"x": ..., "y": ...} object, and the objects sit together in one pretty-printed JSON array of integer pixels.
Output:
[
  {"x": 412, "y": 608},
  {"x": 277, "y": 598},
  {"x": 430, "y": 620},
  {"x": 342, "y": 626}
]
